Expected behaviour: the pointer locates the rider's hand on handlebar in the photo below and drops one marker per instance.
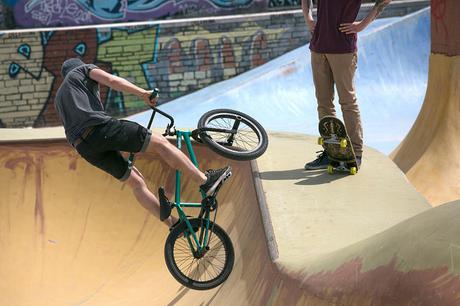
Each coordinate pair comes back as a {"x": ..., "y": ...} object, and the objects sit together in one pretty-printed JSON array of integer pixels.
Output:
[{"x": 151, "y": 97}]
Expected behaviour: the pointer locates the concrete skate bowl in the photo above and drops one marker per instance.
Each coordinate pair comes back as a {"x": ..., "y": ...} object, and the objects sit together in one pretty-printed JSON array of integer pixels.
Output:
[
  {"x": 429, "y": 153},
  {"x": 72, "y": 235}
]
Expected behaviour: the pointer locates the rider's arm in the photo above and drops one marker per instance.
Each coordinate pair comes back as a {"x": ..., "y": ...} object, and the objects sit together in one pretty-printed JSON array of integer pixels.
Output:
[
  {"x": 121, "y": 84},
  {"x": 358, "y": 26},
  {"x": 307, "y": 6}
]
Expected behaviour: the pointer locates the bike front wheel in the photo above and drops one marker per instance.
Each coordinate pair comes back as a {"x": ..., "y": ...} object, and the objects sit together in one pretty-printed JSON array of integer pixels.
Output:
[
  {"x": 201, "y": 271},
  {"x": 233, "y": 134}
]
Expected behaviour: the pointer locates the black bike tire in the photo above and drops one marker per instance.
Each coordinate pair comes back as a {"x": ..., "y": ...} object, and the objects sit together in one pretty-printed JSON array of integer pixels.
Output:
[
  {"x": 226, "y": 151},
  {"x": 181, "y": 277}
]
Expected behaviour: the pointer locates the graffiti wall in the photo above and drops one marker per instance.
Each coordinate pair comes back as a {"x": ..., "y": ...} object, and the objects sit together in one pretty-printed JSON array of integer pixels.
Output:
[
  {"x": 55, "y": 13},
  {"x": 39, "y": 13},
  {"x": 178, "y": 58}
]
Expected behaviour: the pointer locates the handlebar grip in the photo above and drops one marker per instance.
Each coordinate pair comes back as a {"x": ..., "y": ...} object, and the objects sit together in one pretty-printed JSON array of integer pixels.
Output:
[{"x": 155, "y": 94}]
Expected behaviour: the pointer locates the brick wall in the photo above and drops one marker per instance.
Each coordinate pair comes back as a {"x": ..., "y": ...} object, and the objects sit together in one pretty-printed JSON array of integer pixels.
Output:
[{"x": 178, "y": 57}]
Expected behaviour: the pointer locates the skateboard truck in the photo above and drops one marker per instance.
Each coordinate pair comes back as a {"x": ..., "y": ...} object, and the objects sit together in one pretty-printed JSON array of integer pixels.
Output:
[
  {"x": 333, "y": 140},
  {"x": 342, "y": 167},
  {"x": 165, "y": 205}
]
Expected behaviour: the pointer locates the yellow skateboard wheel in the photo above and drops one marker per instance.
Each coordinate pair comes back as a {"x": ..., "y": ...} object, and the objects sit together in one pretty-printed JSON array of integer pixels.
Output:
[
  {"x": 330, "y": 169},
  {"x": 343, "y": 143},
  {"x": 320, "y": 141},
  {"x": 353, "y": 170}
]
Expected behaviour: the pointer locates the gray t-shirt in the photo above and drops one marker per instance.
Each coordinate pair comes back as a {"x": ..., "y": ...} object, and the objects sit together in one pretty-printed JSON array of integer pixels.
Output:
[{"x": 78, "y": 102}]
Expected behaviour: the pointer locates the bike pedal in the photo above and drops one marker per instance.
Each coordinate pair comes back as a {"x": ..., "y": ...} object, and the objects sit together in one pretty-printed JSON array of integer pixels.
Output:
[{"x": 165, "y": 205}]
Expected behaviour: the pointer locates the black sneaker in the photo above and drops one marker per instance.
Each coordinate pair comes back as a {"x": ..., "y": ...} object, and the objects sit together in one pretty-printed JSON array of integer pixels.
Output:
[
  {"x": 321, "y": 162},
  {"x": 165, "y": 205},
  {"x": 215, "y": 179}
]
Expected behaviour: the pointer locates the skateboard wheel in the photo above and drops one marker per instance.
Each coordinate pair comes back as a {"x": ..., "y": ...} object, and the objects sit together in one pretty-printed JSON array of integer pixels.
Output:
[
  {"x": 353, "y": 170},
  {"x": 320, "y": 141},
  {"x": 330, "y": 169},
  {"x": 343, "y": 143}
]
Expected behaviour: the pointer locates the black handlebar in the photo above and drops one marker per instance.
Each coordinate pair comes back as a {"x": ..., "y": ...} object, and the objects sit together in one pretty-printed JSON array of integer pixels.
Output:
[{"x": 170, "y": 130}]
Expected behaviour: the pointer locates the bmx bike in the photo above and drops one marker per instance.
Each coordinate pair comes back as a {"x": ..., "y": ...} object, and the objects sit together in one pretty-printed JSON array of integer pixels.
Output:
[{"x": 199, "y": 253}]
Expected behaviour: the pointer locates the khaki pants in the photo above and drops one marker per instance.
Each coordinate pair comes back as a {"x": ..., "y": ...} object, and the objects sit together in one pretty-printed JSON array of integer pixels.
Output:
[{"x": 338, "y": 69}]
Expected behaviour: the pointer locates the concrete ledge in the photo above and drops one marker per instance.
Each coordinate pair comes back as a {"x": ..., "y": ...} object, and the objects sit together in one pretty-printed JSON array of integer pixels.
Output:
[
  {"x": 31, "y": 134},
  {"x": 329, "y": 212}
]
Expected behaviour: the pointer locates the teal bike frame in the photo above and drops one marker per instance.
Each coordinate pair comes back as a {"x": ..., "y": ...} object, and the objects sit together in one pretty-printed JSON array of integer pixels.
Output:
[
  {"x": 207, "y": 204},
  {"x": 205, "y": 213}
]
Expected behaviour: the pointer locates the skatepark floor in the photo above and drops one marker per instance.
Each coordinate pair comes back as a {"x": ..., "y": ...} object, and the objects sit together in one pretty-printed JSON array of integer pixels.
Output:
[{"x": 72, "y": 235}]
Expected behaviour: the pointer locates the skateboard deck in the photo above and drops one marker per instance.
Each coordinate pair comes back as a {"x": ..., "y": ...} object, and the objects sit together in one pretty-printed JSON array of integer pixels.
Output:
[{"x": 337, "y": 144}]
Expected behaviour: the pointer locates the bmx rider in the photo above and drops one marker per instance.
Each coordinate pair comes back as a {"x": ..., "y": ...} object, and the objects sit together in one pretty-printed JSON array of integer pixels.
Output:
[{"x": 99, "y": 138}]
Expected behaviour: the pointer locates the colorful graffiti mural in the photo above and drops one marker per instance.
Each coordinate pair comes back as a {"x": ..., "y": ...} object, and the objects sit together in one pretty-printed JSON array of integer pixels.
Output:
[
  {"x": 36, "y": 13},
  {"x": 25, "y": 84},
  {"x": 81, "y": 44},
  {"x": 178, "y": 59},
  {"x": 284, "y": 3},
  {"x": 130, "y": 52},
  {"x": 186, "y": 64}
]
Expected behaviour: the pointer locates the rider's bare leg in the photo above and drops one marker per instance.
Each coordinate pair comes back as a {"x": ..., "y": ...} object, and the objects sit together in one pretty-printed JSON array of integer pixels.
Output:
[
  {"x": 145, "y": 197},
  {"x": 175, "y": 158}
]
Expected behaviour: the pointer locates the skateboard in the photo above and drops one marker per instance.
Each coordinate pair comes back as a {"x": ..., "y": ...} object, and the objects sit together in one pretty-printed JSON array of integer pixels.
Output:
[{"x": 338, "y": 146}]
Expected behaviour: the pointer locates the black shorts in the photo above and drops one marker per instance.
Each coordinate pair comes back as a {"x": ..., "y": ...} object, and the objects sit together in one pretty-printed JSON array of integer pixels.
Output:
[{"x": 102, "y": 146}]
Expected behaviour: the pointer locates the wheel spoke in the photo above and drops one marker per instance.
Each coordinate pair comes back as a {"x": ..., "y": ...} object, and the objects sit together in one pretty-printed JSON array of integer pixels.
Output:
[{"x": 244, "y": 140}]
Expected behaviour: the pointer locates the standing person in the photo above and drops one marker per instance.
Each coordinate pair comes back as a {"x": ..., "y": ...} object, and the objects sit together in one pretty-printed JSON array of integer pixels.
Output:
[
  {"x": 334, "y": 61},
  {"x": 99, "y": 138}
]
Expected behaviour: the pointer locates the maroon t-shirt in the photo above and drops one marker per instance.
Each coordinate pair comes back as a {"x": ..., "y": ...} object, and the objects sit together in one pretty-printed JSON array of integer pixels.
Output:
[{"x": 327, "y": 38}]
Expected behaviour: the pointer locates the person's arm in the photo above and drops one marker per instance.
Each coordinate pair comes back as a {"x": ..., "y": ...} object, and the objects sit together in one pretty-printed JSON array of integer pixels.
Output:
[
  {"x": 357, "y": 26},
  {"x": 307, "y": 6},
  {"x": 121, "y": 84}
]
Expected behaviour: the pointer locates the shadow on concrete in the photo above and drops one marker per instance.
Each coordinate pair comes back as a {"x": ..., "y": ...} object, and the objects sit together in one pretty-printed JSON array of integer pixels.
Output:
[{"x": 312, "y": 177}]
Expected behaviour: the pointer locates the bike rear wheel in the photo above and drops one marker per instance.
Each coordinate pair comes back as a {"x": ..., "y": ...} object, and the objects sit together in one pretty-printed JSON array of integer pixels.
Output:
[
  {"x": 199, "y": 272},
  {"x": 233, "y": 134}
]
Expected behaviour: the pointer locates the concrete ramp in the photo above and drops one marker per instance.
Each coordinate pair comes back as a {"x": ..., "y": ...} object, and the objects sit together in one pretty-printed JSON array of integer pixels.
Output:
[
  {"x": 369, "y": 239},
  {"x": 72, "y": 235},
  {"x": 430, "y": 152}
]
